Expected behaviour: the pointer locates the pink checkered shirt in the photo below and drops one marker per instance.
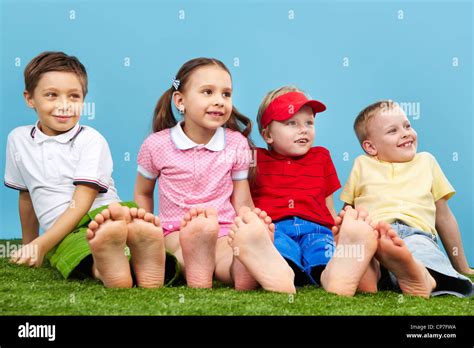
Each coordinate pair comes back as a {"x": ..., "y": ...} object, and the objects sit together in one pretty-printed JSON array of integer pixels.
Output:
[{"x": 193, "y": 175}]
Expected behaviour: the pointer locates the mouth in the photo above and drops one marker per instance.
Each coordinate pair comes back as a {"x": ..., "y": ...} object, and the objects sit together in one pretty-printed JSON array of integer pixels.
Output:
[
  {"x": 406, "y": 144},
  {"x": 62, "y": 118},
  {"x": 215, "y": 113},
  {"x": 302, "y": 141}
]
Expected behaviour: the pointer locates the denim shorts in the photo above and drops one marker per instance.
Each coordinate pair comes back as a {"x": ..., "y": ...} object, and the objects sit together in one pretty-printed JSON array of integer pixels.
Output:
[
  {"x": 424, "y": 247},
  {"x": 306, "y": 246}
]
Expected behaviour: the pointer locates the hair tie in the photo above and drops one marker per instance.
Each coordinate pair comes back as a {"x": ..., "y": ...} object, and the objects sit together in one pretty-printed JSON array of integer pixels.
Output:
[{"x": 176, "y": 83}]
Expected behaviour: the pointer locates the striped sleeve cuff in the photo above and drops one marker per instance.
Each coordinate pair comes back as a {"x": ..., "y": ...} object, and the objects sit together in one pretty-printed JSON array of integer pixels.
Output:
[
  {"x": 240, "y": 174},
  {"x": 146, "y": 173},
  {"x": 103, "y": 188},
  {"x": 15, "y": 186}
]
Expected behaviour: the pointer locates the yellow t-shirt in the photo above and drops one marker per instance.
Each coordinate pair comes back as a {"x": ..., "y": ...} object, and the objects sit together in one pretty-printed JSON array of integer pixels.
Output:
[{"x": 398, "y": 191}]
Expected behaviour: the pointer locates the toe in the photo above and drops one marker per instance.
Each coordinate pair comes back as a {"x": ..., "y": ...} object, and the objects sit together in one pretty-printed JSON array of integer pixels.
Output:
[
  {"x": 148, "y": 217},
  {"x": 93, "y": 225},
  {"x": 157, "y": 221},
  {"x": 141, "y": 213},
  {"x": 362, "y": 215},
  {"x": 99, "y": 218},
  {"x": 192, "y": 213},
  {"x": 211, "y": 212},
  {"x": 350, "y": 214},
  {"x": 239, "y": 222},
  {"x": 116, "y": 212},
  {"x": 89, "y": 234},
  {"x": 271, "y": 227},
  {"x": 105, "y": 213},
  {"x": 249, "y": 217},
  {"x": 133, "y": 212}
]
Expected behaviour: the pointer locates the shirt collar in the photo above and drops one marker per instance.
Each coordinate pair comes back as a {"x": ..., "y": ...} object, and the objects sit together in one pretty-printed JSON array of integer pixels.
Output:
[
  {"x": 39, "y": 137},
  {"x": 182, "y": 142}
]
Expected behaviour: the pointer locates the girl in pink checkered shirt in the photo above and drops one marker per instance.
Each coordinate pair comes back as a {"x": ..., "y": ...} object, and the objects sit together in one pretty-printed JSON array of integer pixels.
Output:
[{"x": 202, "y": 163}]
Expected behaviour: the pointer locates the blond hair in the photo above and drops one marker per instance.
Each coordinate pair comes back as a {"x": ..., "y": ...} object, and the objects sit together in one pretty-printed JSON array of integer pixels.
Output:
[{"x": 362, "y": 120}]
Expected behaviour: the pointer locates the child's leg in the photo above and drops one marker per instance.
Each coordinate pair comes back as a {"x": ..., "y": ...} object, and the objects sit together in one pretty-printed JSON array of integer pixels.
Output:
[
  {"x": 356, "y": 246},
  {"x": 107, "y": 236},
  {"x": 145, "y": 240},
  {"x": 253, "y": 247},
  {"x": 197, "y": 239},
  {"x": 413, "y": 278}
]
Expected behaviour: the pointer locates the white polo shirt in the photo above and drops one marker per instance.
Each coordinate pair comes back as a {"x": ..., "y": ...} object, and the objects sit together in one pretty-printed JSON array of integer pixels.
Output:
[{"x": 49, "y": 167}]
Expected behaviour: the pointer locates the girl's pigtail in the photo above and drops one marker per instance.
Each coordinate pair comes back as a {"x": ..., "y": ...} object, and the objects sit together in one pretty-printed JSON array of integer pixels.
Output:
[{"x": 163, "y": 117}]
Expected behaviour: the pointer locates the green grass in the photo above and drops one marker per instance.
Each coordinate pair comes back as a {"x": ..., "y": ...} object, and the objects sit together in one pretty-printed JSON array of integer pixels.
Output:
[{"x": 26, "y": 291}]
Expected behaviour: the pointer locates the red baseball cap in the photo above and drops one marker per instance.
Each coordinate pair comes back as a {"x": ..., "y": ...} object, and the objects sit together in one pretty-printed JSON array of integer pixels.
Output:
[{"x": 287, "y": 105}]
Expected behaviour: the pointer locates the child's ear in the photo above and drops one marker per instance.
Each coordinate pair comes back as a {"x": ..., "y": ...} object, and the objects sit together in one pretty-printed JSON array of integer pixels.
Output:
[
  {"x": 369, "y": 147},
  {"x": 29, "y": 99},
  {"x": 178, "y": 100},
  {"x": 267, "y": 136}
]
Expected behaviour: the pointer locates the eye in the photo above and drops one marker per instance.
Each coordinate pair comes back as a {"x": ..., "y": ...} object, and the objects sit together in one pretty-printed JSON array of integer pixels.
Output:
[
  {"x": 309, "y": 123},
  {"x": 291, "y": 123},
  {"x": 227, "y": 94},
  {"x": 391, "y": 131},
  {"x": 408, "y": 126},
  {"x": 50, "y": 95},
  {"x": 207, "y": 92},
  {"x": 75, "y": 96}
]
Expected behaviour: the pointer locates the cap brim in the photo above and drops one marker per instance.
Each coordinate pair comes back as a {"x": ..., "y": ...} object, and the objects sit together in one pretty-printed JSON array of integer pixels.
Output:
[{"x": 315, "y": 105}]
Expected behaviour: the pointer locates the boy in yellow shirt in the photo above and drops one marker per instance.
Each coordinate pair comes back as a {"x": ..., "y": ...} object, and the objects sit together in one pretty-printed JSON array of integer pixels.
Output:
[{"x": 398, "y": 186}]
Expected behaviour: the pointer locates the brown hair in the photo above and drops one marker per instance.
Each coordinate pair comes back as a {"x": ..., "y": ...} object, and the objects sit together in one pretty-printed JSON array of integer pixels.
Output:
[
  {"x": 163, "y": 116},
  {"x": 53, "y": 61},
  {"x": 362, "y": 120}
]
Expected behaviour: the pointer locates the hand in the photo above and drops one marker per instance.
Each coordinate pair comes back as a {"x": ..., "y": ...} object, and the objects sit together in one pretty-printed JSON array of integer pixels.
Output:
[{"x": 31, "y": 254}]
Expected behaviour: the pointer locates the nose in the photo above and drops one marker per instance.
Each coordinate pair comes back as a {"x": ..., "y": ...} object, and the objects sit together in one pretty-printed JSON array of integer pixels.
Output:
[
  {"x": 302, "y": 129},
  {"x": 63, "y": 104},
  {"x": 219, "y": 100}
]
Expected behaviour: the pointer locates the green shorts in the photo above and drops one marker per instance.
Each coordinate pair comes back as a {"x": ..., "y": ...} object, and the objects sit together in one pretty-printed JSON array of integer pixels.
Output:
[{"x": 72, "y": 257}]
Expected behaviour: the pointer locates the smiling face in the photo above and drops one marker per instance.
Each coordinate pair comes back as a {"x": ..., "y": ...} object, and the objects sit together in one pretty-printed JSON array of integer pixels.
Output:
[
  {"x": 58, "y": 99},
  {"x": 293, "y": 137},
  {"x": 206, "y": 100},
  {"x": 390, "y": 136}
]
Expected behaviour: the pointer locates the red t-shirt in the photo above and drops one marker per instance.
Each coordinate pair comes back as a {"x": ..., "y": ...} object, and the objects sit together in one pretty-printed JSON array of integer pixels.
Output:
[{"x": 286, "y": 186}]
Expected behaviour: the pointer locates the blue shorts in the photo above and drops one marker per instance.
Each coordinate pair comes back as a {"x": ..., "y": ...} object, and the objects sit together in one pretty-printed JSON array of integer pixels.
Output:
[
  {"x": 306, "y": 246},
  {"x": 424, "y": 247}
]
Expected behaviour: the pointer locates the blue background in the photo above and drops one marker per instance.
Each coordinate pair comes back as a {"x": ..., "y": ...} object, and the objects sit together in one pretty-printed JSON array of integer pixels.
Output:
[{"x": 404, "y": 56}]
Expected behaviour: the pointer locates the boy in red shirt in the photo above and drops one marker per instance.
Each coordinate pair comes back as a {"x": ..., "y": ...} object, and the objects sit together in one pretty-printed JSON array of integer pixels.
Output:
[{"x": 294, "y": 183}]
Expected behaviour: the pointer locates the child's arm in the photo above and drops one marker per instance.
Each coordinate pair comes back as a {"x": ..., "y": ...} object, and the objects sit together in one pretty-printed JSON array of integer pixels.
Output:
[
  {"x": 330, "y": 205},
  {"x": 28, "y": 219},
  {"x": 143, "y": 195},
  {"x": 448, "y": 231},
  {"x": 241, "y": 195},
  {"x": 33, "y": 253}
]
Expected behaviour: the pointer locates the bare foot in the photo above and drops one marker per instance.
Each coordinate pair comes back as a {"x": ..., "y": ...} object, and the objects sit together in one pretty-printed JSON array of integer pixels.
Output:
[
  {"x": 242, "y": 278},
  {"x": 198, "y": 238},
  {"x": 253, "y": 247},
  {"x": 357, "y": 243},
  {"x": 413, "y": 278},
  {"x": 107, "y": 236},
  {"x": 146, "y": 242}
]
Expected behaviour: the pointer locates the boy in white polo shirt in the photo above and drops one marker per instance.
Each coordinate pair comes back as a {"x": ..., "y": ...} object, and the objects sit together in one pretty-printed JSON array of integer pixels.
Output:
[
  {"x": 63, "y": 172},
  {"x": 398, "y": 186}
]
